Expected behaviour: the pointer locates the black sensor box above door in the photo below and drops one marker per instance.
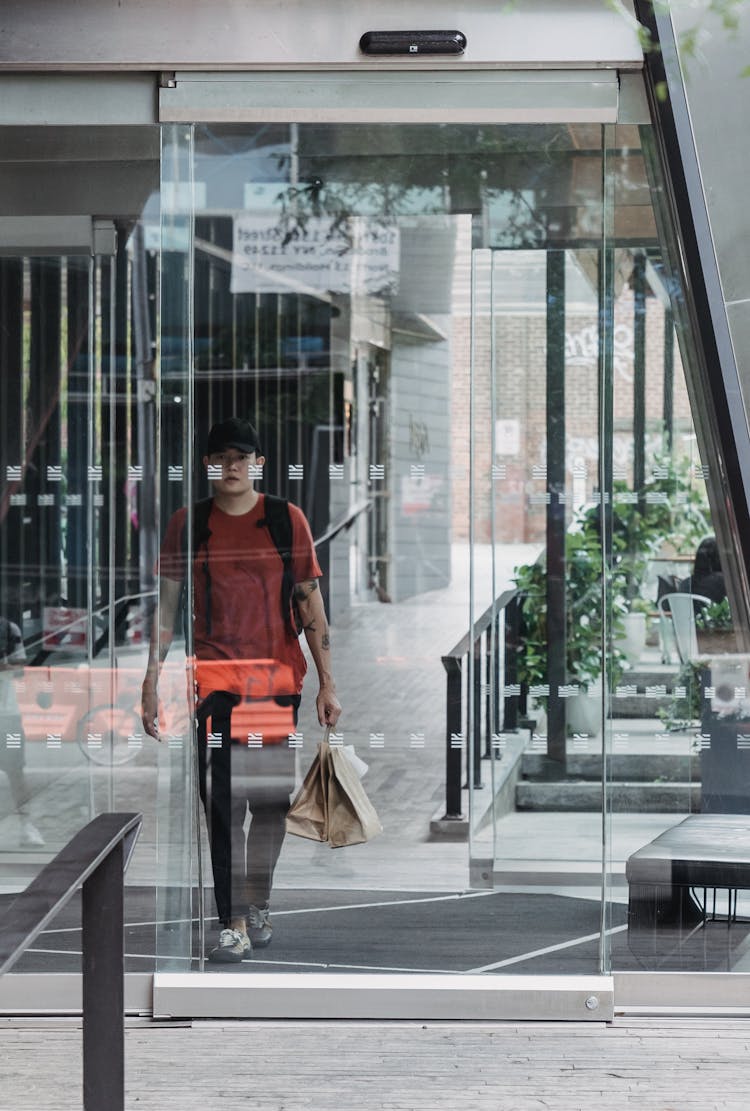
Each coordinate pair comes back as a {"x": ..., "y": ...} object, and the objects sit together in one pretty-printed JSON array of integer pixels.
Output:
[{"x": 412, "y": 42}]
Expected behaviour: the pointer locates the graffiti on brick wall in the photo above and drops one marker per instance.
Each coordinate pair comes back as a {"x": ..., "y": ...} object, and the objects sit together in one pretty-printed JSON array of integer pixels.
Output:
[
  {"x": 419, "y": 437},
  {"x": 582, "y": 349}
]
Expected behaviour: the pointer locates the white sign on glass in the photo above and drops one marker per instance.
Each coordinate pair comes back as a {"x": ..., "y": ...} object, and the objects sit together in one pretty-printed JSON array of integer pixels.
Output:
[
  {"x": 356, "y": 256},
  {"x": 507, "y": 437}
]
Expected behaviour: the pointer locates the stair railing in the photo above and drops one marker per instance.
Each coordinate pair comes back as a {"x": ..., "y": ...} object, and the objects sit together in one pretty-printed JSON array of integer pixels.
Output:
[{"x": 497, "y": 698}]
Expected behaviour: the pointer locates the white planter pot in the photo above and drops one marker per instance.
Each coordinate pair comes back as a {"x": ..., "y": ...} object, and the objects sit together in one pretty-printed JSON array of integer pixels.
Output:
[
  {"x": 633, "y": 642},
  {"x": 583, "y": 712}
]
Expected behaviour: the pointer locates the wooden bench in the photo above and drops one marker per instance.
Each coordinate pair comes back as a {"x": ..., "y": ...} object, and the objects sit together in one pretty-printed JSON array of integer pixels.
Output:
[{"x": 670, "y": 880}]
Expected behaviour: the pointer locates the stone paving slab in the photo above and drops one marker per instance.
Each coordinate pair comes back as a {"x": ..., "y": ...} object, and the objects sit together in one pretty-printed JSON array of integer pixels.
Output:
[{"x": 672, "y": 1064}]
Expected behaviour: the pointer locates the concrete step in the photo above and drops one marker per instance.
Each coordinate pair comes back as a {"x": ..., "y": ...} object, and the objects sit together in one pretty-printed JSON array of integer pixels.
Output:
[
  {"x": 649, "y": 690},
  {"x": 567, "y": 795},
  {"x": 621, "y": 767},
  {"x": 487, "y": 803}
]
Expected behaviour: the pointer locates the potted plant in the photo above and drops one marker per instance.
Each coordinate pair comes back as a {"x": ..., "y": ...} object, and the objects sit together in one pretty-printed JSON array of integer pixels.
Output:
[
  {"x": 714, "y": 630},
  {"x": 684, "y": 709},
  {"x": 669, "y": 516},
  {"x": 672, "y": 510},
  {"x": 584, "y": 625}
]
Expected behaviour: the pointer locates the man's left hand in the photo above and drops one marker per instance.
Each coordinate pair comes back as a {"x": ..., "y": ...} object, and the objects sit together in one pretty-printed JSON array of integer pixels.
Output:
[{"x": 329, "y": 707}]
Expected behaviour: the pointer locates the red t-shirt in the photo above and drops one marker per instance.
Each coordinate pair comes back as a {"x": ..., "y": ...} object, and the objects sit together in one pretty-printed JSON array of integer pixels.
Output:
[{"x": 246, "y": 574}]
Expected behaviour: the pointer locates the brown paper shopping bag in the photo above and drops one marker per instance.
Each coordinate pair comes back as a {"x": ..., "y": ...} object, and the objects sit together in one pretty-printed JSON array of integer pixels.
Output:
[
  {"x": 308, "y": 814},
  {"x": 331, "y": 805},
  {"x": 352, "y": 818}
]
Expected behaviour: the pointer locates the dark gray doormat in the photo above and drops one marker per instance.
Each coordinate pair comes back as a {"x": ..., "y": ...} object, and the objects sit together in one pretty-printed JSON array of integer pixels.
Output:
[{"x": 386, "y": 931}]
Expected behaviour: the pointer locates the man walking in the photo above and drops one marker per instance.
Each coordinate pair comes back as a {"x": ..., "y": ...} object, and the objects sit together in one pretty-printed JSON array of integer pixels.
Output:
[{"x": 255, "y": 580}]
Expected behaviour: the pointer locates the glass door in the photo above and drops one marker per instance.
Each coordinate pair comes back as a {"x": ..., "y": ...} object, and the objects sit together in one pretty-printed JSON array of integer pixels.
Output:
[
  {"x": 380, "y": 313},
  {"x": 534, "y": 659},
  {"x": 607, "y": 687}
]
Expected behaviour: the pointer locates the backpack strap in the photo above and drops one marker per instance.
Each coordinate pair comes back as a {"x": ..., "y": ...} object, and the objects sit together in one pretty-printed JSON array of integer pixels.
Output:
[
  {"x": 201, "y": 534},
  {"x": 201, "y": 531},
  {"x": 278, "y": 521}
]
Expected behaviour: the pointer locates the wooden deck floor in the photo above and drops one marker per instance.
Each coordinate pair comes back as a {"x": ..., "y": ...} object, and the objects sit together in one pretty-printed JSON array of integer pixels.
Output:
[{"x": 673, "y": 1064}]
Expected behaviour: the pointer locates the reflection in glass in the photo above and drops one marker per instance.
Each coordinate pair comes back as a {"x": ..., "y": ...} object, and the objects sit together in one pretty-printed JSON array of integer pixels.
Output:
[{"x": 467, "y": 358}]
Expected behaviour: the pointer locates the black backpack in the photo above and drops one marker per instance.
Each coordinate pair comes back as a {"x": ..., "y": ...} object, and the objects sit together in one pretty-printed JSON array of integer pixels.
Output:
[{"x": 278, "y": 521}]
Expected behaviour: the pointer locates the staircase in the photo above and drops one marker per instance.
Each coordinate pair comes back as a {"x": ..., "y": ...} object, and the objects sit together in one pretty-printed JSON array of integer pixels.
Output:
[{"x": 648, "y": 768}]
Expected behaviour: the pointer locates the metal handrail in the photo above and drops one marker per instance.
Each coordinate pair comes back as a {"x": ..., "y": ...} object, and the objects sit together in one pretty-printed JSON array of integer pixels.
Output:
[
  {"x": 480, "y": 626},
  {"x": 94, "y": 860},
  {"x": 484, "y": 641},
  {"x": 344, "y": 522}
]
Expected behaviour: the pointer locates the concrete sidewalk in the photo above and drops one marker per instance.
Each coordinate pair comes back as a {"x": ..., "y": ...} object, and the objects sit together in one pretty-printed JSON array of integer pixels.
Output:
[{"x": 652, "y": 1064}]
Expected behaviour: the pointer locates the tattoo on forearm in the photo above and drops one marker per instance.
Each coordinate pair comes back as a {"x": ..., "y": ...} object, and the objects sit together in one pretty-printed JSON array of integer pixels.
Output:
[
  {"x": 310, "y": 628},
  {"x": 326, "y": 641},
  {"x": 304, "y": 590}
]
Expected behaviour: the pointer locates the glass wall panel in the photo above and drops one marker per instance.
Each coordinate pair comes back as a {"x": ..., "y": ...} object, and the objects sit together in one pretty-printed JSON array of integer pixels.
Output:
[
  {"x": 77, "y": 374},
  {"x": 536, "y": 671},
  {"x": 464, "y": 355},
  {"x": 73, "y": 587},
  {"x": 608, "y": 696},
  {"x": 677, "y": 771},
  {"x": 412, "y": 319}
]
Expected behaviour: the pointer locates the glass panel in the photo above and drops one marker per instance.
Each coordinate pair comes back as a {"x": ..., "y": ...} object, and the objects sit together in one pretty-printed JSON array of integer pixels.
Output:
[
  {"x": 537, "y": 711},
  {"x": 178, "y": 850},
  {"x": 389, "y": 306},
  {"x": 676, "y": 743},
  {"x": 48, "y": 619},
  {"x": 449, "y": 340},
  {"x": 612, "y": 362},
  {"x": 72, "y": 578},
  {"x": 77, "y": 384}
]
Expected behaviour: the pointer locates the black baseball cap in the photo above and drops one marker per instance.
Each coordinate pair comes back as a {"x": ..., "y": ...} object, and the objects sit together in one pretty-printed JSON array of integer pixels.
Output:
[{"x": 236, "y": 433}]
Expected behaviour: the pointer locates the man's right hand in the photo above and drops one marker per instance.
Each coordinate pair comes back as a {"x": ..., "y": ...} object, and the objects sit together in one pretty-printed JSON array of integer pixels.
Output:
[{"x": 150, "y": 710}]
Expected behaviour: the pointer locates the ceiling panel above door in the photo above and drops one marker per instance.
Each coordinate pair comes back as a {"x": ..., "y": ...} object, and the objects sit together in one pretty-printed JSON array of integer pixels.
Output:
[{"x": 471, "y": 96}]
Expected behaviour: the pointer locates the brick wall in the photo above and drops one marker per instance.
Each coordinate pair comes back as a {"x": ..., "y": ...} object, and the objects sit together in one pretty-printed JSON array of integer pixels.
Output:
[{"x": 520, "y": 346}]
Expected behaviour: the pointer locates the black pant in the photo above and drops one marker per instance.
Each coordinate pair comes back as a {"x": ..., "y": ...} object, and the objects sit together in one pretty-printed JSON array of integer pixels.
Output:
[{"x": 232, "y": 779}]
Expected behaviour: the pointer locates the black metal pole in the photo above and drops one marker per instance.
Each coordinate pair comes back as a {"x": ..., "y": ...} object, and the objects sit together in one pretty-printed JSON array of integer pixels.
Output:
[
  {"x": 607, "y": 299},
  {"x": 490, "y": 652},
  {"x": 639, "y": 377},
  {"x": 43, "y": 406},
  {"x": 12, "y": 563},
  {"x": 556, "y": 600},
  {"x": 453, "y": 741},
  {"x": 499, "y": 654},
  {"x": 147, "y": 539},
  {"x": 80, "y": 406},
  {"x": 668, "y": 407},
  {"x": 103, "y": 986},
  {"x": 512, "y": 626},
  {"x": 477, "y": 730}
]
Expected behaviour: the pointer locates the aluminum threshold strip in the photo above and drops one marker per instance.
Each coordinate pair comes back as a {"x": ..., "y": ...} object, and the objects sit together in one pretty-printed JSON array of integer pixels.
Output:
[
  {"x": 303, "y": 995},
  {"x": 682, "y": 993},
  {"x": 50, "y": 993},
  {"x": 490, "y": 96},
  {"x": 373, "y": 996}
]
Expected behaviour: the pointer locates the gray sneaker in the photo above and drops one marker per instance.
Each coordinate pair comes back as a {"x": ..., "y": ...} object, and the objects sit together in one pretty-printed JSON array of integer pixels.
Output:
[
  {"x": 232, "y": 948},
  {"x": 259, "y": 926}
]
